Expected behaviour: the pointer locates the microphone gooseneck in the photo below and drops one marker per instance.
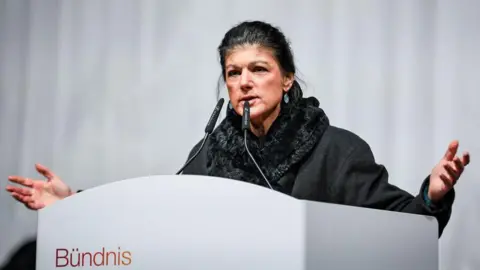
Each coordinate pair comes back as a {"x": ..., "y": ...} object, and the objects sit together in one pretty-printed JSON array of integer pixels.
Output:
[
  {"x": 208, "y": 131},
  {"x": 246, "y": 128}
]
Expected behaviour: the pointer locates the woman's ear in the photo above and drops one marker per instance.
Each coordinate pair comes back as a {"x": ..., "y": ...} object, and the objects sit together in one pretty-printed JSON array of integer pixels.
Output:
[{"x": 288, "y": 81}]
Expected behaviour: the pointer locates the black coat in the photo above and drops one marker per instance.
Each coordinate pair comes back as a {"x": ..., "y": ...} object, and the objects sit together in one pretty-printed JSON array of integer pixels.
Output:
[{"x": 307, "y": 158}]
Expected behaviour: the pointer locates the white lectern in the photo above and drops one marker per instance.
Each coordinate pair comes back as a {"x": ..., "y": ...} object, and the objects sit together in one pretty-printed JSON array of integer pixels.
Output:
[{"x": 198, "y": 222}]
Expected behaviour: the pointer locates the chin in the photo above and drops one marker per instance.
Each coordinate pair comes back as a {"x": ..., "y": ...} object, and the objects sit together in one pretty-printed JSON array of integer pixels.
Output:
[{"x": 256, "y": 113}]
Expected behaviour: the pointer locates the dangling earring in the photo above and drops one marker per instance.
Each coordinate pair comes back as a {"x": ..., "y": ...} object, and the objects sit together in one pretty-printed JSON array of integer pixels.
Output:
[
  {"x": 230, "y": 105},
  {"x": 286, "y": 99}
]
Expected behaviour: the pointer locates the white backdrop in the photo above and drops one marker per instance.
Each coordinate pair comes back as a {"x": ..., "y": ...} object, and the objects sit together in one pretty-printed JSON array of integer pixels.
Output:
[{"x": 106, "y": 90}]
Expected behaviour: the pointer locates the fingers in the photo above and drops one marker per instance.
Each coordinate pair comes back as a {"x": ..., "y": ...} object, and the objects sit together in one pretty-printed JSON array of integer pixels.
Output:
[
  {"x": 27, "y": 200},
  {"x": 466, "y": 158},
  {"x": 35, "y": 205},
  {"x": 19, "y": 190},
  {"x": 452, "y": 170},
  {"x": 447, "y": 181},
  {"x": 21, "y": 198},
  {"x": 45, "y": 171},
  {"x": 456, "y": 166},
  {"x": 21, "y": 180},
  {"x": 450, "y": 173},
  {"x": 451, "y": 151}
]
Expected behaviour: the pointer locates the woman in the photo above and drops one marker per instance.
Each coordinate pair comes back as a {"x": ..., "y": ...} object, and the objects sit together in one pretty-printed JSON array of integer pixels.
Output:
[
  {"x": 23, "y": 258},
  {"x": 299, "y": 152}
]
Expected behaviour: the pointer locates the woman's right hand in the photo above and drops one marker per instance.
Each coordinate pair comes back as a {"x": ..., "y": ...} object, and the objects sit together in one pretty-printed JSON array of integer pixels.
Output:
[{"x": 37, "y": 194}]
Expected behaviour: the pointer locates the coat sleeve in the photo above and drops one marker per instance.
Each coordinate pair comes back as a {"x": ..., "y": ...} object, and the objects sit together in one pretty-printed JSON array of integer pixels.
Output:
[{"x": 362, "y": 182}]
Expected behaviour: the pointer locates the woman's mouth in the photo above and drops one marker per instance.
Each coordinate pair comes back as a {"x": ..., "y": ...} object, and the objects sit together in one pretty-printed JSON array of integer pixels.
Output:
[{"x": 251, "y": 100}]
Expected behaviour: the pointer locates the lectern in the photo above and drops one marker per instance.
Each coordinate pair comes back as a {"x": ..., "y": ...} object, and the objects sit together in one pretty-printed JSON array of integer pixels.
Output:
[{"x": 199, "y": 222}]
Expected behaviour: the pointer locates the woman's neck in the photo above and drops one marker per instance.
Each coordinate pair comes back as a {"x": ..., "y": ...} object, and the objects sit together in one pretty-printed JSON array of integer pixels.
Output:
[{"x": 260, "y": 126}]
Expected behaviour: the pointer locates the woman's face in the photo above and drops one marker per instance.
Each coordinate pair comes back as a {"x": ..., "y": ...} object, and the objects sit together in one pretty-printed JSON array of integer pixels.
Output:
[{"x": 253, "y": 75}]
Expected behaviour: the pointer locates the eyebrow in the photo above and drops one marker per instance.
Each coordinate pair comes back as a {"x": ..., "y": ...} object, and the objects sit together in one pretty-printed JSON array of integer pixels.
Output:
[{"x": 252, "y": 63}]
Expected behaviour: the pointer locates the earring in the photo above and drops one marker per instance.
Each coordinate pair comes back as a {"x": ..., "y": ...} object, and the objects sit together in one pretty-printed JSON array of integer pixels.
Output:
[
  {"x": 230, "y": 105},
  {"x": 286, "y": 99}
]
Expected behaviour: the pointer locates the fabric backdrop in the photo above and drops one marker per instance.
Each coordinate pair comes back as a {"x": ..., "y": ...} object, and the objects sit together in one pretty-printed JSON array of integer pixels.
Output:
[{"x": 105, "y": 90}]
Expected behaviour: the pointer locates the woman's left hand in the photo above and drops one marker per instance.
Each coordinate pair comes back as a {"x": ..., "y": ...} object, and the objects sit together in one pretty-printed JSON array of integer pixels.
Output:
[{"x": 447, "y": 172}]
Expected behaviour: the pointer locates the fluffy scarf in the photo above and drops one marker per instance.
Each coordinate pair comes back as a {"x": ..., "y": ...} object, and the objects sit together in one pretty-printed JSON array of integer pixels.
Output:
[{"x": 293, "y": 135}]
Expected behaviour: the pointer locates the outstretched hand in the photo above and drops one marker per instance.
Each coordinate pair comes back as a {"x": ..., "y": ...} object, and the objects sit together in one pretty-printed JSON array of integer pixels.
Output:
[
  {"x": 37, "y": 194},
  {"x": 447, "y": 172}
]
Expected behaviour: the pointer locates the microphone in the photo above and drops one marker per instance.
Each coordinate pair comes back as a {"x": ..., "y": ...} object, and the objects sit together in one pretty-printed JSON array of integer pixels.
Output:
[
  {"x": 208, "y": 131},
  {"x": 246, "y": 128},
  {"x": 213, "y": 119}
]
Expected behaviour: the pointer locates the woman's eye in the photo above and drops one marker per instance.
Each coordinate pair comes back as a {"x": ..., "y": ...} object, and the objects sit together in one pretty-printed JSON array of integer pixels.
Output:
[
  {"x": 233, "y": 73},
  {"x": 259, "y": 69}
]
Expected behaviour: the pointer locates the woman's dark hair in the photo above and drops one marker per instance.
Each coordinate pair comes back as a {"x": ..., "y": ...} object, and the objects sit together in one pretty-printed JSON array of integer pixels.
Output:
[
  {"x": 265, "y": 35},
  {"x": 24, "y": 257}
]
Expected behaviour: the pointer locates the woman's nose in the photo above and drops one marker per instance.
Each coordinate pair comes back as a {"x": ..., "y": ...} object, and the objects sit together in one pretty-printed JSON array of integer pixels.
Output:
[{"x": 245, "y": 80}]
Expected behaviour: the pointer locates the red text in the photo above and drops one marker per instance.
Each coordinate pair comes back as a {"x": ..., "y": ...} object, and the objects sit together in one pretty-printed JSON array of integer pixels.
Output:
[{"x": 75, "y": 258}]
